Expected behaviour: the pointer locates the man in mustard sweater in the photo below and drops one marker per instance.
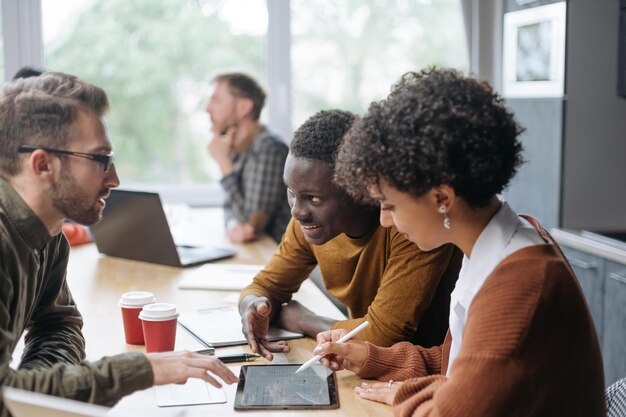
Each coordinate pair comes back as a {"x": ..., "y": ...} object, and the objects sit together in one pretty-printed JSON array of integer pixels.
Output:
[{"x": 373, "y": 270}]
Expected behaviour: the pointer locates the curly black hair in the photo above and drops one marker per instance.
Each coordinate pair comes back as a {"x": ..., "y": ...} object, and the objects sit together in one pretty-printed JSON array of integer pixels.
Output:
[
  {"x": 320, "y": 136},
  {"x": 436, "y": 127}
]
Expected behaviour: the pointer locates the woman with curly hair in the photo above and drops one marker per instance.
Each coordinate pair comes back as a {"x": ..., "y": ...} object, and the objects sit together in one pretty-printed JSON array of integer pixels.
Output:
[
  {"x": 435, "y": 154},
  {"x": 363, "y": 263}
]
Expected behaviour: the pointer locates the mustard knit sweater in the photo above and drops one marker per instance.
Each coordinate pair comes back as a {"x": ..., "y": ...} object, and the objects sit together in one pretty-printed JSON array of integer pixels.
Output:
[{"x": 381, "y": 277}]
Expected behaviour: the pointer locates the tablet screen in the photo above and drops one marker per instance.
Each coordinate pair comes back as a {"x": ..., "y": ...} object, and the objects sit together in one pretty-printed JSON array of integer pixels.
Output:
[{"x": 278, "y": 386}]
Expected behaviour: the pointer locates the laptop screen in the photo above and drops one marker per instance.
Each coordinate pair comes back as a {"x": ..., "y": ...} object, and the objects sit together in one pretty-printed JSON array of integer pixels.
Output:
[{"x": 134, "y": 226}]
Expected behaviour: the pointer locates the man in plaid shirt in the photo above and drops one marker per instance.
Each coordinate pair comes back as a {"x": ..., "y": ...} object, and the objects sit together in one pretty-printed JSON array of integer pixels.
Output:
[{"x": 251, "y": 159}]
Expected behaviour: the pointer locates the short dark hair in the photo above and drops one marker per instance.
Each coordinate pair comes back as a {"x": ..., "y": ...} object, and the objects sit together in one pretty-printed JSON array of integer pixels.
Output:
[
  {"x": 436, "y": 127},
  {"x": 320, "y": 136},
  {"x": 242, "y": 85},
  {"x": 40, "y": 111},
  {"x": 28, "y": 71}
]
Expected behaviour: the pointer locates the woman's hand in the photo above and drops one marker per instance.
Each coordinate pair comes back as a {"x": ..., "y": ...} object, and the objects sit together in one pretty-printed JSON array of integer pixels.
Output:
[
  {"x": 382, "y": 392},
  {"x": 350, "y": 355}
]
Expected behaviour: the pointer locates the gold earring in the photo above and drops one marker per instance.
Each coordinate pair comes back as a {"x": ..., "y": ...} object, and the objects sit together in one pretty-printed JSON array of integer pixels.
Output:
[{"x": 446, "y": 221}]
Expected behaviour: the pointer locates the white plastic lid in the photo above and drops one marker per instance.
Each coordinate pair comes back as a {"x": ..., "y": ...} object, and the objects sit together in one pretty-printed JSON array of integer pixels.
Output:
[
  {"x": 158, "y": 312},
  {"x": 136, "y": 299}
]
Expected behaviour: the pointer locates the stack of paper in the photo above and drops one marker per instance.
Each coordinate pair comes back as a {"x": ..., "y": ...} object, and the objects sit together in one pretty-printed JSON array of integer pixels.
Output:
[
  {"x": 194, "y": 391},
  {"x": 224, "y": 277}
]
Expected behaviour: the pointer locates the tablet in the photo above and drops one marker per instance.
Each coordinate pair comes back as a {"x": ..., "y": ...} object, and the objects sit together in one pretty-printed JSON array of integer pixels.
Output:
[{"x": 278, "y": 386}]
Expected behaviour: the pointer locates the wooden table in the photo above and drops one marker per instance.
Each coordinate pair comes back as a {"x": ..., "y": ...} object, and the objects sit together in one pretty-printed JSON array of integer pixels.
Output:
[{"x": 98, "y": 281}]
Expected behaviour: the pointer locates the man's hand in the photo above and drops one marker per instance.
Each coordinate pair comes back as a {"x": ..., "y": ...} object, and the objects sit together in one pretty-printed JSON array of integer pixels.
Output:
[
  {"x": 177, "y": 367},
  {"x": 350, "y": 355},
  {"x": 297, "y": 318},
  {"x": 292, "y": 316},
  {"x": 220, "y": 148},
  {"x": 240, "y": 232},
  {"x": 255, "y": 321}
]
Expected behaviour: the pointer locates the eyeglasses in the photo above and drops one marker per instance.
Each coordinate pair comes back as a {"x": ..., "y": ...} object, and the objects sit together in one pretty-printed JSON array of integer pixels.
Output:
[{"x": 105, "y": 160}]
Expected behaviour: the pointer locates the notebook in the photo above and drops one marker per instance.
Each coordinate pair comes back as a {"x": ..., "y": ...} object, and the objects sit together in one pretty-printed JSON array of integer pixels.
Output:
[
  {"x": 134, "y": 226},
  {"x": 221, "y": 326}
]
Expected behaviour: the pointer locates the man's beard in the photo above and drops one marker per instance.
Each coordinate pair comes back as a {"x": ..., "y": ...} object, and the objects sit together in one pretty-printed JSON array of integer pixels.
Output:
[{"x": 74, "y": 202}]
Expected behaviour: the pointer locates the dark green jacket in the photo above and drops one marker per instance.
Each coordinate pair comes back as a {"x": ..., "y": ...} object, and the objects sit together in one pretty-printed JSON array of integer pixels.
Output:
[{"x": 35, "y": 298}]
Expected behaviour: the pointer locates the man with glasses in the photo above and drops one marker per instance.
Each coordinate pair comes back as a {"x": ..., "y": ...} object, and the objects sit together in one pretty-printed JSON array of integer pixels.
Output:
[
  {"x": 56, "y": 163},
  {"x": 76, "y": 234},
  {"x": 105, "y": 160}
]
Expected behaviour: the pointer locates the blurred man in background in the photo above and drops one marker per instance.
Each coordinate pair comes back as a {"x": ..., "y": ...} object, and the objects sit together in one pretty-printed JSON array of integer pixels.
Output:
[{"x": 251, "y": 159}]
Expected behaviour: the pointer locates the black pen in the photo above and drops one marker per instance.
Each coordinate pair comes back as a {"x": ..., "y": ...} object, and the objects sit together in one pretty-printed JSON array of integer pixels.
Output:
[{"x": 238, "y": 357}]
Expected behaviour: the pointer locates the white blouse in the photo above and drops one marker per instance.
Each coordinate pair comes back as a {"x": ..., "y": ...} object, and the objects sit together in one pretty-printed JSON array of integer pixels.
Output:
[{"x": 505, "y": 234}]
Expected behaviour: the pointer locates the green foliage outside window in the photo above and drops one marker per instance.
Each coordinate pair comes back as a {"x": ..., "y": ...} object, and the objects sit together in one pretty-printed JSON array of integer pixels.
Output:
[
  {"x": 155, "y": 60},
  {"x": 347, "y": 53}
]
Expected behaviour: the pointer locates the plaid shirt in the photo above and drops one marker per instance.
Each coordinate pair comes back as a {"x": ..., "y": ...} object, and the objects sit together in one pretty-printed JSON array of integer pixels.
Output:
[{"x": 256, "y": 184}]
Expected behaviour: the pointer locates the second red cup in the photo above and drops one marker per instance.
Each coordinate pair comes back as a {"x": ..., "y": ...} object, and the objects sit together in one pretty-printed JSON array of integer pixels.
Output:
[
  {"x": 131, "y": 304},
  {"x": 159, "y": 326}
]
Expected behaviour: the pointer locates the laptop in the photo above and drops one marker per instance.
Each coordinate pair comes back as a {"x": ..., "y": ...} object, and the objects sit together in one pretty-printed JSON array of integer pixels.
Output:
[
  {"x": 134, "y": 226},
  {"x": 31, "y": 404},
  {"x": 23, "y": 403}
]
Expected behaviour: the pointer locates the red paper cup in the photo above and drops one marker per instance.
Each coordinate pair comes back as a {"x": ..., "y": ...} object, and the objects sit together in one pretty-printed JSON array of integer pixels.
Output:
[
  {"x": 131, "y": 304},
  {"x": 159, "y": 326}
]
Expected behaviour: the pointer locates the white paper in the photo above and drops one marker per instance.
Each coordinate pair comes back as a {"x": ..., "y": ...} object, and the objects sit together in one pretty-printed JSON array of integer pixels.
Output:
[
  {"x": 195, "y": 391},
  {"x": 224, "y": 277},
  {"x": 231, "y": 299}
]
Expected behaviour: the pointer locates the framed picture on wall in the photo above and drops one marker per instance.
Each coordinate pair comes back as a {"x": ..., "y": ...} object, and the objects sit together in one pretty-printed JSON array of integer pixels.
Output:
[{"x": 534, "y": 52}]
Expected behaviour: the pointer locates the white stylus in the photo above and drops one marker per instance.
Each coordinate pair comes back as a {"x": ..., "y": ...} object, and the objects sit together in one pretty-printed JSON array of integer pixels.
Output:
[{"x": 342, "y": 339}]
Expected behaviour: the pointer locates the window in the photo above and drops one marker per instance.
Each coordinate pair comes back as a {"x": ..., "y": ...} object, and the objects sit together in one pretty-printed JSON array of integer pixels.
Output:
[
  {"x": 155, "y": 60},
  {"x": 347, "y": 53},
  {"x": 1, "y": 45}
]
